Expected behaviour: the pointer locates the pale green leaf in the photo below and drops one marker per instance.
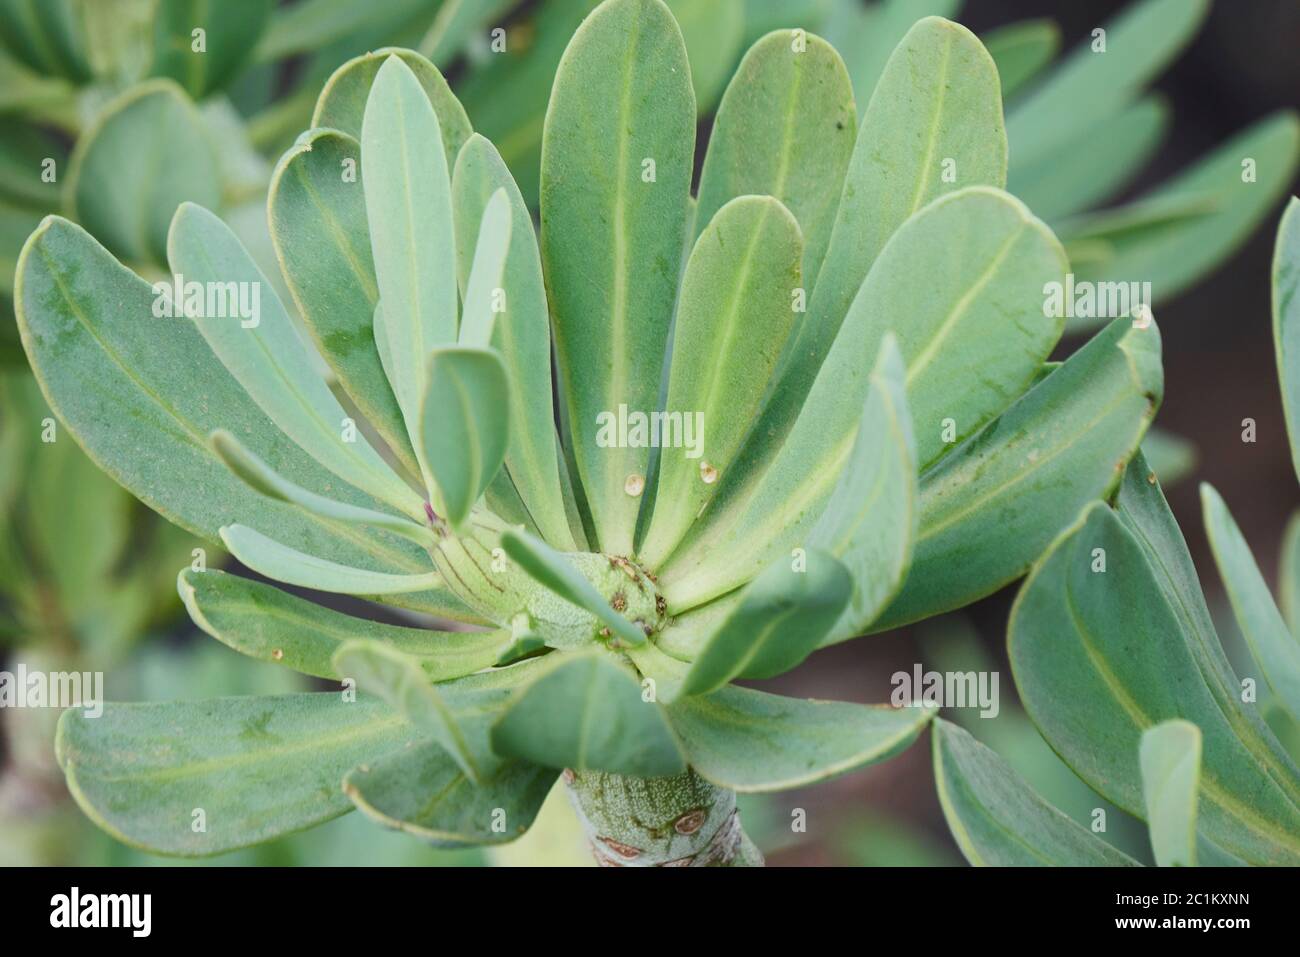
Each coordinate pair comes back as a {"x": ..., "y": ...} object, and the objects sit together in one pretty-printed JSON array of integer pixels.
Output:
[
  {"x": 586, "y": 712},
  {"x": 734, "y": 314},
  {"x": 1286, "y": 320},
  {"x": 621, "y": 109},
  {"x": 464, "y": 424},
  {"x": 265, "y": 623},
  {"x": 1271, "y": 643},
  {"x": 257, "y": 767},
  {"x": 486, "y": 273},
  {"x": 1170, "y": 762},
  {"x": 714, "y": 33},
  {"x": 998, "y": 820},
  {"x": 522, "y": 337},
  {"x": 1021, "y": 50},
  {"x": 253, "y": 336},
  {"x": 126, "y": 201}
]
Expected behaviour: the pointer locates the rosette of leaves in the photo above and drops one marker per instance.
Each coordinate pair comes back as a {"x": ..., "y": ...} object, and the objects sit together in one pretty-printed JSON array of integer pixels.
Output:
[
  {"x": 853, "y": 310},
  {"x": 1119, "y": 665}
]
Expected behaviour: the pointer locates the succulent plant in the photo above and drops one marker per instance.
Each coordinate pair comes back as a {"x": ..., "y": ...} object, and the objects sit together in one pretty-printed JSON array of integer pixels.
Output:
[
  {"x": 1119, "y": 665},
  {"x": 810, "y": 403}
]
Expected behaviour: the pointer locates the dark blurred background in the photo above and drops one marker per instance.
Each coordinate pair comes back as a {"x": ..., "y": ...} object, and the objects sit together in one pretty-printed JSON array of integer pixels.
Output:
[{"x": 1219, "y": 369}]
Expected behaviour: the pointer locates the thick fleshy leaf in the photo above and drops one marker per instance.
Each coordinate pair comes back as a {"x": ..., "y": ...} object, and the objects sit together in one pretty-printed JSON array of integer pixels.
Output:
[
  {"x": 256, "y": 767},
  {"x": 1021, "y": 50},
  {"x": 543, "y": 564},
  {"x": 586, "y": 712},
  {"x": 797, "y": 152},
  {"x": 748, "y": 740},
  {"x": 483, "y": 287},
  {"x": 733, "y": 317},
  {"x": 1274, "y": 648},
  {"x": 1237, "y": 185},
  {"x": 265, "y": 623},
  {"x": 464, "y": 424},
  {"x": 230, "y": 34},
  {"x": 1286, "y": 321},
  {"x": 963, "y": 278},
  {"x": 276, "y": 560},
  {"x": 342, "y": 101},
  {"x": 1100, "y": 657},
  {"x": 783, "y": 615},
  {"x": 998, "y": 820},
  {"x": 1170, "y": 760},
  {"x": 522, "y": 336},
  {"x": 257, "y": 343},
  {"x": 507, "y": 96},
  {"x": 316, "y": 192},
  {"x": 379, "y": 668},
  {"x": 617, "y": 154},
  {"x": 123, "y": 381},
  {"x": 1091, "y": 83},
  {"x": 870, "y": 521},
  {"x": 408, "y": 207},
  {"x": 1095, "y": 163},
  {"x": 993, "y": 504},
  {"x": 934, "y": 126},
  {"x": 128, "y": 204},
  {"x": 422, "y": 792},
  {"x": 266, "y": 480}
]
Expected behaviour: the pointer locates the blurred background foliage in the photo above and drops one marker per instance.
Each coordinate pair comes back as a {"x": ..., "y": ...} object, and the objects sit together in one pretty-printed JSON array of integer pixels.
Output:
[{"x": 1113, "y": 152}]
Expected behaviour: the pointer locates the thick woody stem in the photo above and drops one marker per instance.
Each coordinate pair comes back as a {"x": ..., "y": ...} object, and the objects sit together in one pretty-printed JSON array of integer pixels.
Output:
[{"x": 679, "y": 821}]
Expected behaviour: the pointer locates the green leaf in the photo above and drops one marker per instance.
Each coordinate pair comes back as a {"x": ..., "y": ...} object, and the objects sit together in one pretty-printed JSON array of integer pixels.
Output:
[
  {"x": 128, "y": 203},
  {"x": 455, "y": 23},
  {"x": 265, "y": 354},
  {"x": 342, "y": 102},
  {"x": 25, "y": 150},
  {"x": 543, "y": 564},
  {"x": 464, "y": 424},
  {"x": 585, "y": 712},
  {"x": 1095, "y": 163},
  {"x": 266, "y": 480},
  {"x": 1286, "y": 320},
  {"x": 1100, "y": 657},
  {"x": 1174, "y": 253},
  {"x": 1274, "y": 648},
  {"x": 933, "y": 126},
  {"x": 993, "y": 504},
  {"x": 379, "y": 668},
  {"x": 714, "y": 33},
  {"x": 49, "y": 36},
  {"x": 748, "y": 740},
  {"x": 487, "y": 270},
  {"x": 1021, "y": 50},
  {"x": 1289, "y": 574},
  {"x": 798, "y": 152},
  {"x": 408, "y": 207},
  {"x": 230, "y": 34},
  {"x": 612, "y": 238},
  {"x": 870, "y": 521},
  {"x": 1172, "y": 457},
  {"x": 962, "y": 279},
  {"x": 315, "y": 193},
  {"x": 265, "y": 623},
  {"x": 276, "y": 560},
  {"x": 422, "y": 792},
  {"x": 999, "y": 820},
  {"x": 734, "y": 314},
  {"x": 257, "y": 767},
  {"x": 523, "y": 337},
  {"x": 782, "y": 617},
  {"x": 1091, "y": 84},
  {"x": 122, "y": 383},
  {"x": 1170, "y": 761}
]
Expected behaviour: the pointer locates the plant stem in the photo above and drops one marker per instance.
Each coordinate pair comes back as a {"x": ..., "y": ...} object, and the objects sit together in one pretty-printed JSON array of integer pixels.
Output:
[{"x": 679, "y": 821}]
